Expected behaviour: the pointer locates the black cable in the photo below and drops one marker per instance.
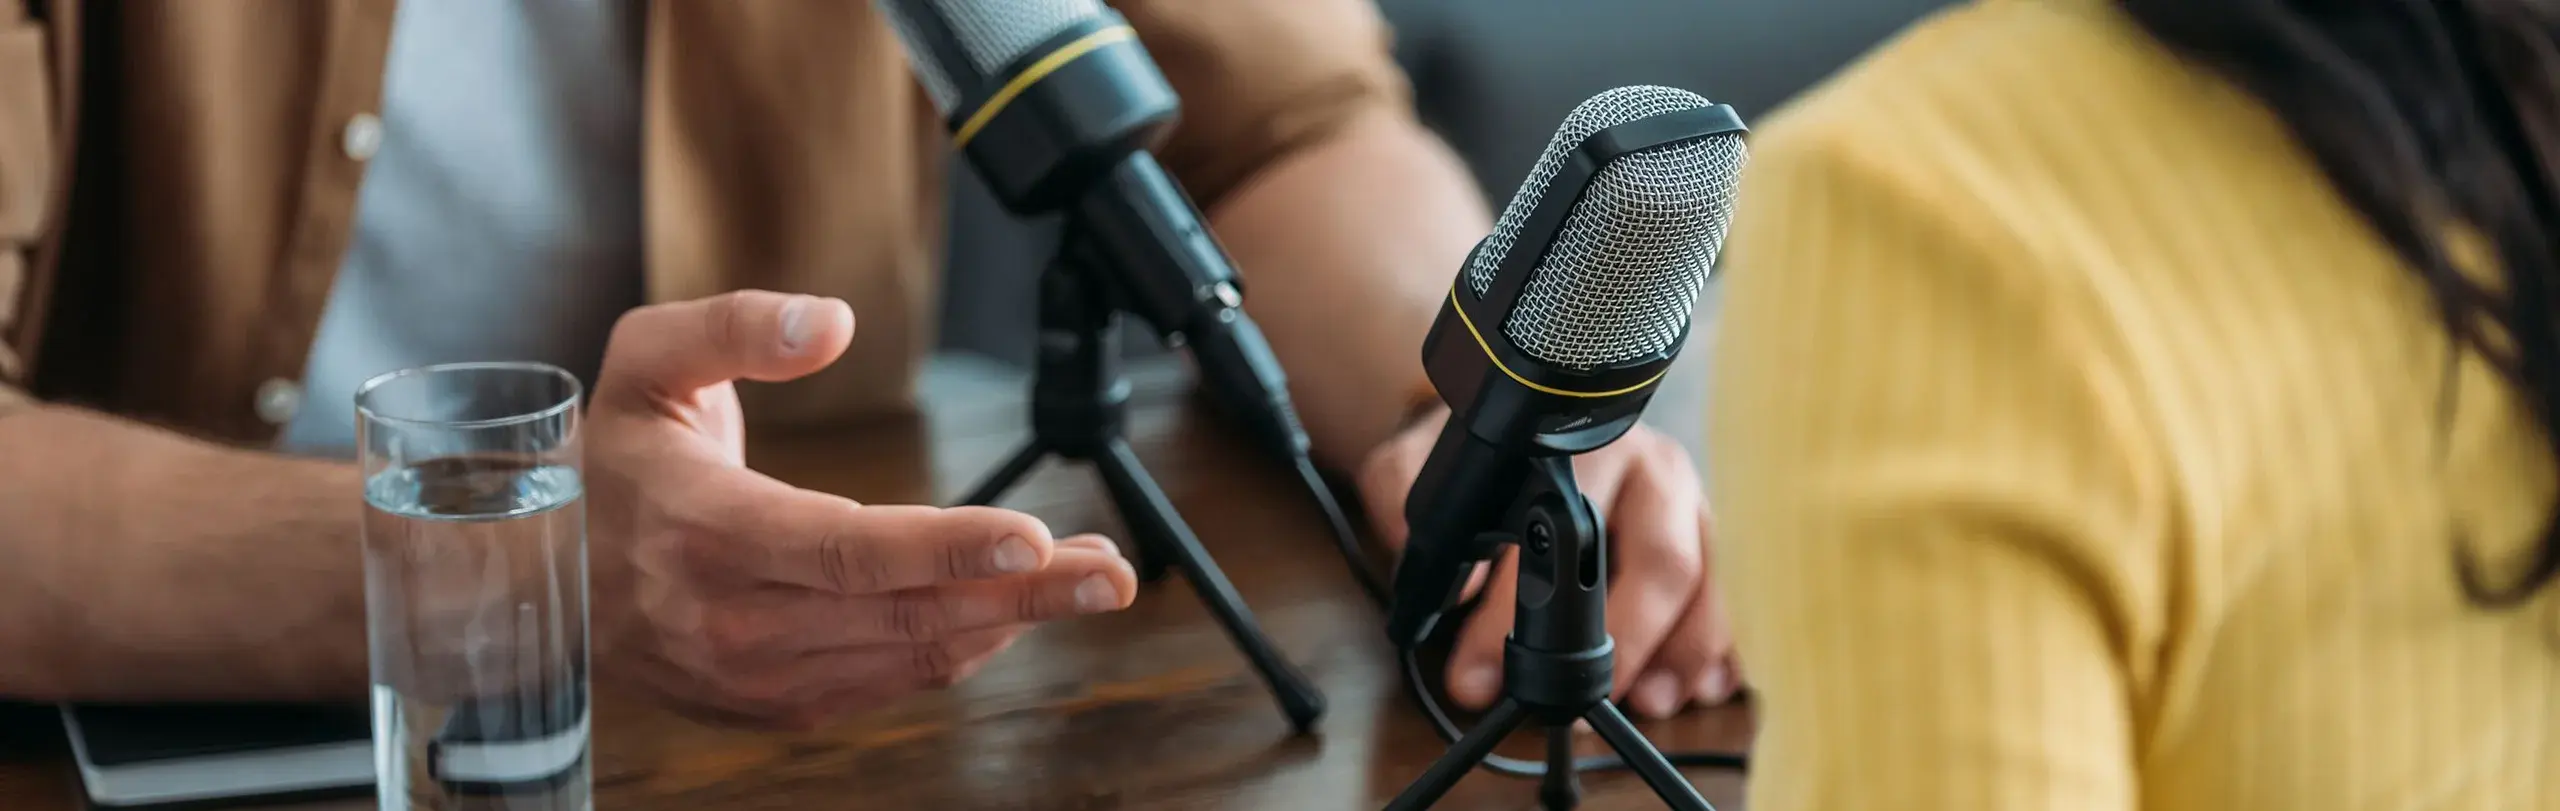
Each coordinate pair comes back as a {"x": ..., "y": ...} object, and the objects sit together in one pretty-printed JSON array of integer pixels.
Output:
[
  {"x": 1375, "y": 584},
  {"x": 1345, "y": 538}
]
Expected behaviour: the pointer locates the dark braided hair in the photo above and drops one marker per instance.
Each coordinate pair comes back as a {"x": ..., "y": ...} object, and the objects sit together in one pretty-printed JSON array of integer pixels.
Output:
[{"x": 2428, "y": 116}]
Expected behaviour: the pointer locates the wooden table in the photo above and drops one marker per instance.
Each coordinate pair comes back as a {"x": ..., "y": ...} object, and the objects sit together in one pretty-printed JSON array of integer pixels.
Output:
[{"x": 1149, "y": 708}]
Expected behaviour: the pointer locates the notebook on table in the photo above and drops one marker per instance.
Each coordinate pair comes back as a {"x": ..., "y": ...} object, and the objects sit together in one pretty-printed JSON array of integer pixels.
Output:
[
  {"x": 163, "y": 756},
  {"x": 192, "y": 755}
]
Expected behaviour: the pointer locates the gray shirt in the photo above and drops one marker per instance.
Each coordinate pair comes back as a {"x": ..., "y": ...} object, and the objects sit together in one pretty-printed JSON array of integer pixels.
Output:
[{"x": 500, "y": 216}]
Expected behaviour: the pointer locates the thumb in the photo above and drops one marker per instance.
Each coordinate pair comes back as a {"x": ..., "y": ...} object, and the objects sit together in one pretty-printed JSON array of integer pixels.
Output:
[
  {"x": 670, "y": 350},
  {"x": 1386, "y": 477},
  {"x": 1384, "y": 481}
]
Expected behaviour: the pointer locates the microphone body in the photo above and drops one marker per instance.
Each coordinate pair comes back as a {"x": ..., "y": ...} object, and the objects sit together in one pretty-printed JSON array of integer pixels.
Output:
[
  {"x": 1560, "y": 327},
  {"x": 1056, "y": 105},
  {"x": 1172, "y": 274}
]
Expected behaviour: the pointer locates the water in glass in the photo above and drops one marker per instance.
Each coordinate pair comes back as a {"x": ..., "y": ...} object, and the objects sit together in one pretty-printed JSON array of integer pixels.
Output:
[{"x": 476, "y": 570}]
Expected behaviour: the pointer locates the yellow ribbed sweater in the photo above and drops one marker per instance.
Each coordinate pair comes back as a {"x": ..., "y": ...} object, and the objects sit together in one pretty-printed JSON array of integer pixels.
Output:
[{"x": 2074, "y": 446}]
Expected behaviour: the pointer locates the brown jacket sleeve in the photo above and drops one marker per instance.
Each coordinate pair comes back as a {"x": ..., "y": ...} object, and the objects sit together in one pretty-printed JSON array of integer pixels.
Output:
[
  {"x": 1259, "y": 78},
  {"x": 26, "y": 183}
]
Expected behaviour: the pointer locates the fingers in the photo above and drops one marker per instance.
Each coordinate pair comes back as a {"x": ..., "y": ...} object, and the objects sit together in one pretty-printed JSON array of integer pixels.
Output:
[
  {"x": 1083, "y": 579},
  {"x": 793, "y": 657},
  {"x": 1475, "y": 664},
  {"x": 881, "y": 549},
  {"x": 1090, "y": 541},
  {"x": 771, "y": 661},
  {"x": 1695, "y": 664},
  {"x": 1659, "y": 570},
  {"x": 846, "y": 701},
  {"x": 1386, "y": 479},
  {"x": 668, "y": 350},
  {"x": 808, "y": 690},
  {"x": 770, "y": 532}
]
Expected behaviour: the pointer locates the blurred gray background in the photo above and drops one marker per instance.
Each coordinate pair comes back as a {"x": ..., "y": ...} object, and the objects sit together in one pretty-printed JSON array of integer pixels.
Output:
[{"x": 1494, "y": 78}]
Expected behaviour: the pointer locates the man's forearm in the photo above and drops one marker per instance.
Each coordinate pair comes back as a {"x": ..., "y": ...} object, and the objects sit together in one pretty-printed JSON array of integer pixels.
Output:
[
  {"x": 136, "y": 563},
  {"x": 1347, "y": 248}
]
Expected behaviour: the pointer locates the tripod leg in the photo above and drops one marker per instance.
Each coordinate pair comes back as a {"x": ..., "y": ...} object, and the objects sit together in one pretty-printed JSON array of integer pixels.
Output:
[
  {"x": 1004, "y": 478},
  {"x": 1128, "y": 480},
  {"x": 1149, "y": 548},
  {"x": 1462, "y": 757},
  {"x": 1561, "y": 789},
  {"x": 1648, "y": 762}
]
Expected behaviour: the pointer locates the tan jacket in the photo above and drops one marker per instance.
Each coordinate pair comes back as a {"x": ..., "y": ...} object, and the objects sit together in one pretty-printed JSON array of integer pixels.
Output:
[{"x": 177, "y": 186}]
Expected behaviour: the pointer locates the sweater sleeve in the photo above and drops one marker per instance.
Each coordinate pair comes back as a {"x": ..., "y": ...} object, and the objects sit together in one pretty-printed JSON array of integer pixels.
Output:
[{"x": 1934, "y": 505}]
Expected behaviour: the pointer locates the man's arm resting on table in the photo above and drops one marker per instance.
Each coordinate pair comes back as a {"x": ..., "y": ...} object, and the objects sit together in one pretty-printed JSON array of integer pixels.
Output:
[
  {"x": 1348, "y": 245},
  {"x": 139, "y": 563}
]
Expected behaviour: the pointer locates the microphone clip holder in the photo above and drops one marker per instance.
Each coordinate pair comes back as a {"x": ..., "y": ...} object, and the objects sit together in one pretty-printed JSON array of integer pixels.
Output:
[
  {"x": 1079, "y": 405},
  {"x": 1558, "y": 663}
]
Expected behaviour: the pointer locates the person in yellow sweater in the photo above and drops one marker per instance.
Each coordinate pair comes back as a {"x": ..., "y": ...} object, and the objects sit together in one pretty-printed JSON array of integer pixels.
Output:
[{"x": 2149, "y": 404}]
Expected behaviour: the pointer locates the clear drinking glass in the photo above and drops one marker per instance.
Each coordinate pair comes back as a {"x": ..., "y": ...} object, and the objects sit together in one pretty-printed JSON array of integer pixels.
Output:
[{"x": 475, "y": 559}]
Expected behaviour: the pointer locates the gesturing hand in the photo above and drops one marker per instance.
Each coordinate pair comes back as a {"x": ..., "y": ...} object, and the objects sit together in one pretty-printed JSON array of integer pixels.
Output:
[
  {"x": 733, "y": 595},
  {"x": 1673, "y": 644}
]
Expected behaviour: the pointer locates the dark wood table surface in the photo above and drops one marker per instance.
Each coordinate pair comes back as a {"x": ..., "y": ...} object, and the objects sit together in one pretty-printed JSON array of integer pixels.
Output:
[{"x": 1146, "y": 709}]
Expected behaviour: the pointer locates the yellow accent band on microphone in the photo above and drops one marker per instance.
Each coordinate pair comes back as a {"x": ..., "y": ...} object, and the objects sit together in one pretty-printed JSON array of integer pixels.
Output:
[
  {"x": 1038, "y": 70},
  {"x": 1497, "y": 362}
]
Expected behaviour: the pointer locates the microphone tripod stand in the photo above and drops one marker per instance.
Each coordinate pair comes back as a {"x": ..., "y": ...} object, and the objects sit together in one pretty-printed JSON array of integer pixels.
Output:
[
  {"x": 1079, "y": 404},
  {"x": 1557, "y": 665}
]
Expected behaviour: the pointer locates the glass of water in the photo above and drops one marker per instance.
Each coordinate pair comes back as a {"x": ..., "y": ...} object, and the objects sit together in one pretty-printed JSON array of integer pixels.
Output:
[{"x": 475, "y": 560}]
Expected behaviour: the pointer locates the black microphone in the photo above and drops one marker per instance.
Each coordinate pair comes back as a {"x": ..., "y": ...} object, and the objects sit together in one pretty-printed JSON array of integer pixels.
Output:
[
  {"x": 1563, "y": 321},
  {"x": 1055, "y": 104}
]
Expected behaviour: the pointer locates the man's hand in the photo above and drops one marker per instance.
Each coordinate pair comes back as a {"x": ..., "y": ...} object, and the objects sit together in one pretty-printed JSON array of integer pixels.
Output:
[
  {"x": 736, "y": 596},
  {"x": 1674, "y": 646}
]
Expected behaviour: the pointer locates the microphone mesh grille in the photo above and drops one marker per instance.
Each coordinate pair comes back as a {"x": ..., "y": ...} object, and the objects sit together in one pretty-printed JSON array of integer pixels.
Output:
[
  {"x": 991, "y": 34},
  {"x": 995, "y": 33},
  {"x": 928, "y": 71},
  {"x": 1622, "y": 276}
]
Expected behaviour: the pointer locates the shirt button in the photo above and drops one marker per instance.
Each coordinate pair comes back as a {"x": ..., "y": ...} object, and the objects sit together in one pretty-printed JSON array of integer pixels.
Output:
[
  {"x": 362, "y": 137},
  {"x": 278, "y": 399}
]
